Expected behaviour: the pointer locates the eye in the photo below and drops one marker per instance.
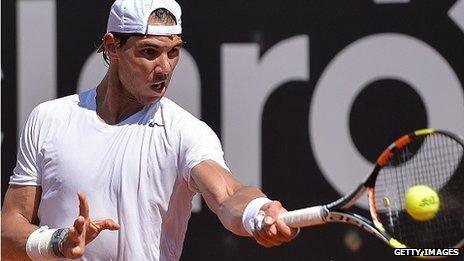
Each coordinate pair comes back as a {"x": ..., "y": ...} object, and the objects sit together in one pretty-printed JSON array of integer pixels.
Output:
[
  {"x": 149, "y": 51},
  {"x": 174, "y": 51}
]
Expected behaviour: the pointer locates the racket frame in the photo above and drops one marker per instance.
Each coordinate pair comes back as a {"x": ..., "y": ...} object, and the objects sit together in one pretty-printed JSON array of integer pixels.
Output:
[{"x": 335, "y": 212}]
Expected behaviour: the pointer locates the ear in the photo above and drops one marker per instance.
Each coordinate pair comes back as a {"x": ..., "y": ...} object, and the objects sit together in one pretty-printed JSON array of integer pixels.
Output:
[{"x": 110, "y": 43}]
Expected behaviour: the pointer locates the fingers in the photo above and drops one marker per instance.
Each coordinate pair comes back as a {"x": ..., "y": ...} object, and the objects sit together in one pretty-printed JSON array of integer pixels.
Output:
[
  {"x": 73, "y": 236},
  {"x": 105, "y": 224},
  {"x": 83, "y": 205},
  {"x": 87, "y": 229},
  {"x": 84, "y": 230},
  {"x": 269, "y": 226},
  {"x": 283, "y": 228},
  {"x": 74, "y": 243},
  {"x": 285, "y": 232},
  {"x": 77, "y": 252},
  {"x": 79, "y": 224},
  {"x": 264, "y": 241},
  {"x": 274, "y": 235},
  {"x": 266, "y": 236},
  {"x": 75, "y": 232},
  {"x": 274, "y": 232},
  {"x": 274, "y": 209},
  {"x": 97, "y": 226}
]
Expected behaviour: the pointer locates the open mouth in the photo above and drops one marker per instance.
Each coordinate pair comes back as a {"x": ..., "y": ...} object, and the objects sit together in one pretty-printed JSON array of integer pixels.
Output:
[{"x": 158, "y": 86}]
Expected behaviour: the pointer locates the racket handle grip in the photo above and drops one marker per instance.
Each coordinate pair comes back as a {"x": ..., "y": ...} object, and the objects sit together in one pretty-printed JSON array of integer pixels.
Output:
[{"x": 305, "y": 217}]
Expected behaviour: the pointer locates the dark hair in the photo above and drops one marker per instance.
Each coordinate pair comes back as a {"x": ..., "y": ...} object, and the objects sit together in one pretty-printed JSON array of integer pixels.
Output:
[
  {"x": 121, "y": 39},
  {"x": 160, "y": 15},
  {"x": 163, "y": 16}
]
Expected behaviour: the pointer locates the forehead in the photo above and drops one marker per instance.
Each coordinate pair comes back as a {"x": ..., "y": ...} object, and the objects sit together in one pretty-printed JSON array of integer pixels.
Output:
[{"x": 157, "y": 40}]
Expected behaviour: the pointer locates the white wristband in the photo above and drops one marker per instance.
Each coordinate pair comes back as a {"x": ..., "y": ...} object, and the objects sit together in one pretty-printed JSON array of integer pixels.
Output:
[
  {"x": 38, "y": 246},
  {"x": 251, "y": 213}
]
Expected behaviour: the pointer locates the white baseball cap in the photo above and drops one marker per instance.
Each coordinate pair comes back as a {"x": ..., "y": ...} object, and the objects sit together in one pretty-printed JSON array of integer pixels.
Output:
[{"x": 131, "y": 16}]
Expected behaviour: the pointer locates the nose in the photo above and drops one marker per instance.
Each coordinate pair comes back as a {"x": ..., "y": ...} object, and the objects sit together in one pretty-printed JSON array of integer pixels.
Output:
[{"x": 162, "y": 65}]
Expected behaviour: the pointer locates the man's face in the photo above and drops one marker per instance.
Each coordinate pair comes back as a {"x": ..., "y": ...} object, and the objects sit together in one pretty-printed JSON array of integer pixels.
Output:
[{"x": 146, "y": 64}]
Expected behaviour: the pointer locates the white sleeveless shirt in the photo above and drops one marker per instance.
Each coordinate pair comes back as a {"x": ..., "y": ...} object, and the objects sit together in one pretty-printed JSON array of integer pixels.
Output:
[{"x": 136, "y": 172}]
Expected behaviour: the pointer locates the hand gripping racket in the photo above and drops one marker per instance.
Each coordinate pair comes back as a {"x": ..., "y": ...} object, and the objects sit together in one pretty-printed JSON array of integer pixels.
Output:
[{"x": 425, "y": 157}]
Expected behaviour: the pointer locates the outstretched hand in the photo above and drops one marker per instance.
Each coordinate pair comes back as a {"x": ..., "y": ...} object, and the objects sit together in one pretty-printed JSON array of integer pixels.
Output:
[
  {"x": 273, "y": 232},
  {"x": 84, "y": 230}
]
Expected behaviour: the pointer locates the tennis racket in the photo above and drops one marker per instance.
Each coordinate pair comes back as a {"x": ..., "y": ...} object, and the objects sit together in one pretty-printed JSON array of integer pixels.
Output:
[{"x": 426, "y": 157}]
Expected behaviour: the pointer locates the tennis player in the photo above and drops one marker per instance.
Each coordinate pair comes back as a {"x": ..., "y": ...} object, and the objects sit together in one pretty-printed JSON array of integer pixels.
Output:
[{"x": 109, "y": 174}]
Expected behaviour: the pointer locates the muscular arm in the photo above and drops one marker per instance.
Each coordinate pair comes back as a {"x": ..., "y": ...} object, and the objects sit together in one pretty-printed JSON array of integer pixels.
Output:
[
  {"x": 19, "y": 220},
  {"x": 225, "y": 196}
]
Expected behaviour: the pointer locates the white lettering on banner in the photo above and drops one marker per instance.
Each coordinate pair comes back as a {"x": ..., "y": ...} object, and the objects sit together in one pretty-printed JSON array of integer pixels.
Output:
[
  {"x": 92, "y": 72},
  {"x": 457, "y": 13},
  {"x": 36, "y": 55},
  {"x": 380, "y": 56},
  {"x": 185, "y": 86},
  {"x": 184, "y": 89},
  {"x": 247, "y": 81}
]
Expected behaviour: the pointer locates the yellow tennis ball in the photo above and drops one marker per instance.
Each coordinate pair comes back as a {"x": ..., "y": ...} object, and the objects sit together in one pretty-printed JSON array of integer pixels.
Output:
[{"x": 422, "y": 202}]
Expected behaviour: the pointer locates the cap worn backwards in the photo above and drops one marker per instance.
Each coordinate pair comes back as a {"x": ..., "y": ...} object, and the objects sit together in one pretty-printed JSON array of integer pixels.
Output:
[{"x": 131, "y": 16}]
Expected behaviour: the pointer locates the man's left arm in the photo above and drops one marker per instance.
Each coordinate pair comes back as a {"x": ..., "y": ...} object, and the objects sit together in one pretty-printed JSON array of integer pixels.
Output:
[{"x": 228, "y": 199}]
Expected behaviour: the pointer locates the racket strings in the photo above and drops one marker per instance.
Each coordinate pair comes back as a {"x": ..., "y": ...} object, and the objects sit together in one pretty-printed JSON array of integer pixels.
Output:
[{"x": 436, "y": 161}]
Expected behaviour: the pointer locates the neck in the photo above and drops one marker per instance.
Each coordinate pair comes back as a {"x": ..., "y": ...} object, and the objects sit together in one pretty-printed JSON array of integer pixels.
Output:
[{"x": 114, "y": 102}]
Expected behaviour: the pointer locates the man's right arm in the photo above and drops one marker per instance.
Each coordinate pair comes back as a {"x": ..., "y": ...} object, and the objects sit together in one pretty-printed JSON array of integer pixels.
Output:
[{"x": 19, "y": 220}]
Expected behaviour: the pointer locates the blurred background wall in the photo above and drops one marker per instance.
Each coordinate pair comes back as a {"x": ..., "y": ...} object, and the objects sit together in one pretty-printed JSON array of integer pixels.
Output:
[{"x": 303, "y": 94}]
